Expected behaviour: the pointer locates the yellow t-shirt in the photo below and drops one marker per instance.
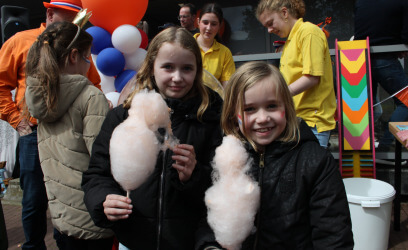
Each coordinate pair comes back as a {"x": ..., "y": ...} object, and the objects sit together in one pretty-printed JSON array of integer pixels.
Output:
[
  {"x": 218, "y": 61},
  {"x": 306, "y": 52}
]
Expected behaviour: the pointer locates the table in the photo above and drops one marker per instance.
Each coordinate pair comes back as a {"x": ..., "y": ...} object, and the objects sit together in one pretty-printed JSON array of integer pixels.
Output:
[{"x": 397, "y": 178}]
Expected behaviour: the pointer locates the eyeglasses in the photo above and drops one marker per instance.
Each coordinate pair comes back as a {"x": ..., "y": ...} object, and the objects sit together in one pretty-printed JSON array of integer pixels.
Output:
[
  {"x": 183, "y": 16},
  {"x": 86, "y": 59}
]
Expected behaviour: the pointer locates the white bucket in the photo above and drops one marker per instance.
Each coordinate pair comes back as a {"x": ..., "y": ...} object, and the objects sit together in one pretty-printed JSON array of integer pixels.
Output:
[{"x": 370, "y": 203}]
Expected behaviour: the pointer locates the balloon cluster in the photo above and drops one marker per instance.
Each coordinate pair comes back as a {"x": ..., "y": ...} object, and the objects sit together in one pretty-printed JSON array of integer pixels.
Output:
[{"x": 118, "y": 47}]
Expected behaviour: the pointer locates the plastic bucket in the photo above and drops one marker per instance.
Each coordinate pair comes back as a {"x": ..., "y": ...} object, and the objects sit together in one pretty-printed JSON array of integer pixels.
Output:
[{"x": 370, "y": 203}]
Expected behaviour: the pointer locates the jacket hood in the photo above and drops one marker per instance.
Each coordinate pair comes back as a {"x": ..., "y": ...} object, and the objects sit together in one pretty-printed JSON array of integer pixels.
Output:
[{"x": 70, "y": 87}]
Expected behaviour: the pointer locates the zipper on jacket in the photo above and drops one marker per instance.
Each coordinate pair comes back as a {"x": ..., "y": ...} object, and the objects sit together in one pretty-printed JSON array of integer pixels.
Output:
[
  {"x": 161, "y": 195},
  {"x": 160, "y": 210},
  {"x": 261, "y": 170}
]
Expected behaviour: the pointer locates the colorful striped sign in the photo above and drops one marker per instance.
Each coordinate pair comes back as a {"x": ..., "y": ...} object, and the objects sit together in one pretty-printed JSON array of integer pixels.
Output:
[{"x": 356, "y": 138}]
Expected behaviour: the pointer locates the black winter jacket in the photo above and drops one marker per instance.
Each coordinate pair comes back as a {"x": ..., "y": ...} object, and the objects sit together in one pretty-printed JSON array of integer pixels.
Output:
[
  {"x": 165, "y": 212},
  {"x": 303, "y": 199}
]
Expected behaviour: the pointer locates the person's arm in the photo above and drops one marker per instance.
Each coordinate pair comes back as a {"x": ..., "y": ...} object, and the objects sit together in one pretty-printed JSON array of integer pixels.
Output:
[
  {"x": 303, "y": 83},
  {"x": 95, "y": 113},
  {"x": 314, "y": 55},
  {"x": 97, "y": 181},
  {"x": 329, "y": 211},
  {"x": 11, "y": 61}
]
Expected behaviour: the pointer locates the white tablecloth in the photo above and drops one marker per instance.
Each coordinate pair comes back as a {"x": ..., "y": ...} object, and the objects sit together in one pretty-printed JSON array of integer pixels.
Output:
[{"x": 8, "y": 143}]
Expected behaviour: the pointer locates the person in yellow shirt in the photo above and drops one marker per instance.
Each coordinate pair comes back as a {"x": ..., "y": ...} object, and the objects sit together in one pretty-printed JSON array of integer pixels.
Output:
[
  {"x": 305, "y": 63},
  {"x": 217, "y": 58}
]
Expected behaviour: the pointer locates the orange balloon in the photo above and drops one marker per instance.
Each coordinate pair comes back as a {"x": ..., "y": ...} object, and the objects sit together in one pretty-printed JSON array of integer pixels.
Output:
[{"x": 110, "y": 14}]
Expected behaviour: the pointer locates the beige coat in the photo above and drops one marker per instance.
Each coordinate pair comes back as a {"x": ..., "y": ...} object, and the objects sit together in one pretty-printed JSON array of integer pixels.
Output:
[{"x": 65, "y": 139}]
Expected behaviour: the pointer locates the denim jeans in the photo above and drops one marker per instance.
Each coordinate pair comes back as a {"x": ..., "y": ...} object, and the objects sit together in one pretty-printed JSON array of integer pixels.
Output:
[
  {"x": 387, "y": 71},
  {"x": 322, "y": 137},
  {"x": 34, "y": 201}
]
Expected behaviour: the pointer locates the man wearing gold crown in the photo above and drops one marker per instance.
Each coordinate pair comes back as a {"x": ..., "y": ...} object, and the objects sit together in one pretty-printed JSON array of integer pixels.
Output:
[{"x": 12, "y": 76}]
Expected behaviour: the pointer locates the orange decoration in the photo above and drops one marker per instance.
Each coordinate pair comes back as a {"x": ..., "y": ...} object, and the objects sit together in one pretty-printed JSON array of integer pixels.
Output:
[{"x": 109, "y": 14}]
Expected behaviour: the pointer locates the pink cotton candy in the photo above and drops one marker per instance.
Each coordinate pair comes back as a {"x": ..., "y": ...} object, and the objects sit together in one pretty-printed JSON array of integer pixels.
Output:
[
  {"x": 233, "y": 200},
  {"x": 134, "y": 146}
]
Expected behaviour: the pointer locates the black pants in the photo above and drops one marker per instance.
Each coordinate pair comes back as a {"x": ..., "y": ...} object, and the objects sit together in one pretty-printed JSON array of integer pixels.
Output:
[{"x": 65, "y": 242}]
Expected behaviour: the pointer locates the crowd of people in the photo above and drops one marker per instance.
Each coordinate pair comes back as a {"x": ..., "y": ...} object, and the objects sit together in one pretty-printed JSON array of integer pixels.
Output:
[{"x": 282, "y": 116}]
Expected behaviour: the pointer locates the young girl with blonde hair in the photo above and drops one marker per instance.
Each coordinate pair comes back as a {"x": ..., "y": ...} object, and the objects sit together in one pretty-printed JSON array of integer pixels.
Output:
[{"x": 303, "y": 203}]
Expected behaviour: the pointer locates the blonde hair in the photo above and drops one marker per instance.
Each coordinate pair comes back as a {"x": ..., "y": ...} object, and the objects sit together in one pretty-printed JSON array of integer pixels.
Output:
[
  {"x": 295, "y": 7},
  {"x": 244, "y": 78},
  {"x": 145, "y": 78}
]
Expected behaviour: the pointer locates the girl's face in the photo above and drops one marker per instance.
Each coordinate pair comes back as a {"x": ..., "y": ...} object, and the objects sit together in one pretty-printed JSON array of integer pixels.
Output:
[
  {"x": 209, "y": 25},
  {"x": 276, "y": 22},
  {"x": 264, "y": 113},
  {"x": 174, "y": 70},
  {"x": 84, "y": 62}
]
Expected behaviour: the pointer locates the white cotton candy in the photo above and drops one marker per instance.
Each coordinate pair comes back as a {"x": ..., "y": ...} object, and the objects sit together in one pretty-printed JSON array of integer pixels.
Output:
[
  {"x": 234, "y": 198},
  {"x": 134, "y": 146}
]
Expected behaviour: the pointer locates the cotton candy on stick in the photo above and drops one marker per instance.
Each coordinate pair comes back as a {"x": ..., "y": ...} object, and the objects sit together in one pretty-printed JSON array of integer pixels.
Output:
[
  {"x": 134, "y": 145},
  {"x": 233, "y": 200}
]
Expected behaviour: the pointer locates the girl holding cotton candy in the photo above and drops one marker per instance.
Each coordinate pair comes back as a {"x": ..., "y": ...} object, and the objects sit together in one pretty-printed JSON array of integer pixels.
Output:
[
  {"x": 164, "y": 209},
  {"x": 298, "y": 200}
]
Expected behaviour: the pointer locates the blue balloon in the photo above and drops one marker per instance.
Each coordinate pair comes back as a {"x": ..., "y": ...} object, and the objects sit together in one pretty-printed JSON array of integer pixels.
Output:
[
  {"x": 102, "y": 39},
  {"x": 123, "y": 78},
  {"x": 110, "y": 62}
]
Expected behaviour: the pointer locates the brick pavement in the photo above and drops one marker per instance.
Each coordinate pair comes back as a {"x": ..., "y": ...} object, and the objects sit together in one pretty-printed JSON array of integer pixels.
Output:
[
  {"x": 15, "y": 233},
  {"x": 12, "y": 214}
]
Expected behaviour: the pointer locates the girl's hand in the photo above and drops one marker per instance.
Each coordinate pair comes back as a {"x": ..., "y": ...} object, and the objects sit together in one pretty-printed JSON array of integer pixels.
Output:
[
  {"x": 185, "y": 161},
  {"x": 24, "y": 127},
  {"x": 117, "y": 207}
]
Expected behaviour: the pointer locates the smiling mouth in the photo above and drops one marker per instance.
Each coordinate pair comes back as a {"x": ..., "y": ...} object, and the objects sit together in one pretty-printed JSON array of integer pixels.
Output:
[
  {"x": 263, "y": 130},
  {"x": 175, "y": 87}
]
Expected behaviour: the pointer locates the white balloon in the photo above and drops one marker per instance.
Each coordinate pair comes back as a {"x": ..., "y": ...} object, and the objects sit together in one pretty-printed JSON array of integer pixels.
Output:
[
  {"x": 134, "y": 60},
  {"x": 107, "y": 83},
  {"x": 126, "y": 38},
  {"x": 113, "y": 97},
  {"x": 94, "y": 58}
]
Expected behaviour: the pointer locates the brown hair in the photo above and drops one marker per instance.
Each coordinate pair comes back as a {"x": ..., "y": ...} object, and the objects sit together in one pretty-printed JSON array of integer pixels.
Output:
[
  {"x": 145, "y": 78},
  {"x": 295, "y": 7},
  {"x": 49, "y": 54},
  {"x": 244, "y": 78}
]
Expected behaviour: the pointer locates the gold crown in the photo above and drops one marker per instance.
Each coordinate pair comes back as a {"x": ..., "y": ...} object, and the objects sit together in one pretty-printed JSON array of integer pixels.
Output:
[{"x": 82, "y": 18}]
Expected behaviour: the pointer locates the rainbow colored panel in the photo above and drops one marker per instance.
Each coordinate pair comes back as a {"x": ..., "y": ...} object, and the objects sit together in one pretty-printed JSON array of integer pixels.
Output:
[
  {"x": 354, "y": 110},
  {"x": 354, "y": 91}
]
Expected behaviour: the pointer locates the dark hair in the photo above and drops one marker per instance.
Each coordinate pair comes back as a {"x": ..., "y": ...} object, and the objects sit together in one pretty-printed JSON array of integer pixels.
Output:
[
  {"x": 193, "y": 9},
  {"x": 212, "y": 8},
  {"x": 49, "y": 54}
]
